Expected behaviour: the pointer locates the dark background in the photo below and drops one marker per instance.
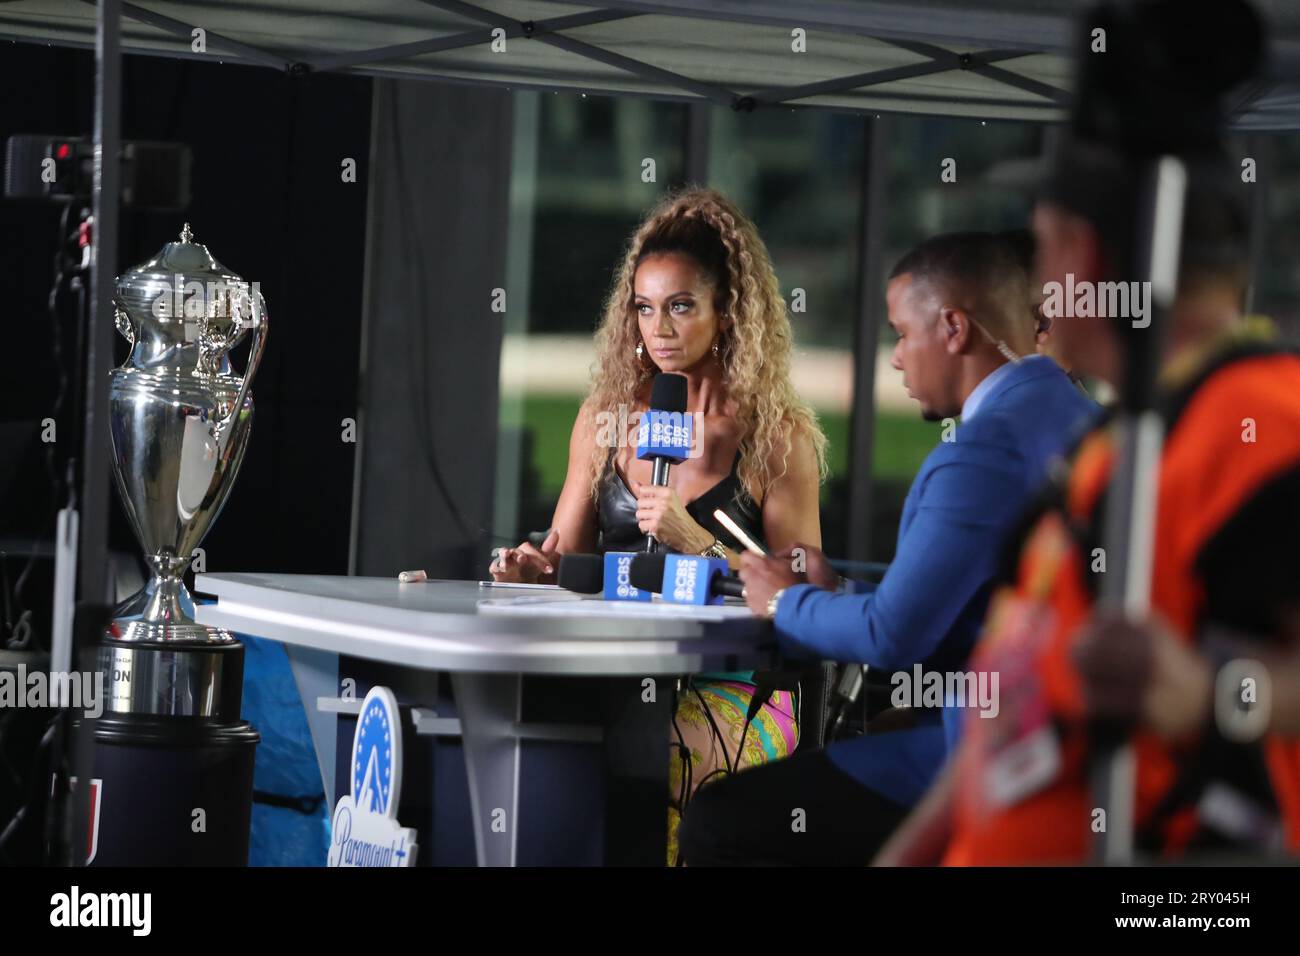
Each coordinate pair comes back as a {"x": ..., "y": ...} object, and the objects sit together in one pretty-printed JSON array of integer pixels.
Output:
[{"x": 270, "y": 203}]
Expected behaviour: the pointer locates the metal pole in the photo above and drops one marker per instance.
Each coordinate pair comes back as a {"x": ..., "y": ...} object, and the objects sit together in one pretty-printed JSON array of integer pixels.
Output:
[
  {"x": 1133, "y": 497},
  {"x": 867, "y": 339},
  {"x": 699, "y": 123},
  {"x": 527, "y": 106},
  {"x": 379, "y": 91},
  {"x": 92, "y": 570},
  {"x": 1261, "y": 147},
  {"x": 92, "y": 555}
]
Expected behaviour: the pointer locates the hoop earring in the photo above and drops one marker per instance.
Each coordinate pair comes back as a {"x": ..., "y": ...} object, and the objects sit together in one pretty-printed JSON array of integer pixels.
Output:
[{"x": 717, "y": 344}]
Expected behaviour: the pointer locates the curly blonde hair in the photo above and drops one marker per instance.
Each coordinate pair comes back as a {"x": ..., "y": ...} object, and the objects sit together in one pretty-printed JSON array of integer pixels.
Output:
[{"x": 754, "y": 350}]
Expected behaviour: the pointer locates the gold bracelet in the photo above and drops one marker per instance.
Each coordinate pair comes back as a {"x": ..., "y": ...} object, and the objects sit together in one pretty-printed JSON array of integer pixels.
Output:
[{"x": 715, "y": 550}]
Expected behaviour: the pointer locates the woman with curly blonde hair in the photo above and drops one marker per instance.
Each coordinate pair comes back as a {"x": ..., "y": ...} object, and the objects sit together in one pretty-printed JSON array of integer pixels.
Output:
[{"x": 695, "y": 295}]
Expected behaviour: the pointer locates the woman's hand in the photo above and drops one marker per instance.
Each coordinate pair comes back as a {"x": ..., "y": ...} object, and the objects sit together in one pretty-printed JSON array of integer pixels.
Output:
[
  {"x": 661, "y": 513},
  {"x": 526, "y": 563}
]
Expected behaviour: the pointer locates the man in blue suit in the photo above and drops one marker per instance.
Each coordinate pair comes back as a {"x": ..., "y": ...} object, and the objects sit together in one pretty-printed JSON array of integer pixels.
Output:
[{"x": 962, "y": 307}]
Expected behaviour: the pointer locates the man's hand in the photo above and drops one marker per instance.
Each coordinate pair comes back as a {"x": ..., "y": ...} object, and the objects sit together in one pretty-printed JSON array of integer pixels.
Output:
[
  {"x": 814, "y": 565},
  {"x": 1141, "y": 672},
  {"x": 763, "y": 576}
]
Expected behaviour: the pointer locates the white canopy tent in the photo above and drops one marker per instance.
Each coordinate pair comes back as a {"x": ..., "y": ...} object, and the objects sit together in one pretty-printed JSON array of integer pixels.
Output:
[
  {"x": 984, "y": 59},
  {"x": 987, "y": 59}
]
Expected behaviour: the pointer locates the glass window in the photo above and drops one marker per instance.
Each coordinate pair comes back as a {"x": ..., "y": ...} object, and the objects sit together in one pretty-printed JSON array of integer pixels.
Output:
[
  {"x": 992, "y": 166},
  {"x": 798, "y": 175},
  {"x": 580, "y": 182}
]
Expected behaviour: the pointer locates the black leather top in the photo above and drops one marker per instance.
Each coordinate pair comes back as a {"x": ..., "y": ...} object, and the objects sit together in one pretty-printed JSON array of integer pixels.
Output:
[{"x": 616, "y": 511}]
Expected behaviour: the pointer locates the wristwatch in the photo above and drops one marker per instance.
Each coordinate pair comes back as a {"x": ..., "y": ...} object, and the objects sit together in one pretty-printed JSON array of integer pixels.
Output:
[
  {"x": 772, "y": 602},
  {"x": 715, "y": 550}
]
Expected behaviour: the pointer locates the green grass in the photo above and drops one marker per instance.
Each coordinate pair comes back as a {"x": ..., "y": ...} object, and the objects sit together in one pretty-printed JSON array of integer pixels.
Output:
[{"x": 902, "y": 440}]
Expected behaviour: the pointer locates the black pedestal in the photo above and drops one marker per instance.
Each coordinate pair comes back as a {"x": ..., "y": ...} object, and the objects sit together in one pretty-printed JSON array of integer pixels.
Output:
[
  {"x": 172, "y": 791},
  {"x": 172, "y": 763}
]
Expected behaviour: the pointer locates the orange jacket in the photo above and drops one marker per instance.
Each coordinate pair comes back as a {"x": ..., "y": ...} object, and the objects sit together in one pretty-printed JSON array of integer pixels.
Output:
[{"x": 1021, "y": 798}]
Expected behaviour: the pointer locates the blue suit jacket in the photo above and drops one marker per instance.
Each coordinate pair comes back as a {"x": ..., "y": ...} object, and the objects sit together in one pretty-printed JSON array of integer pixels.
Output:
[{"x": 930, "y": 605}]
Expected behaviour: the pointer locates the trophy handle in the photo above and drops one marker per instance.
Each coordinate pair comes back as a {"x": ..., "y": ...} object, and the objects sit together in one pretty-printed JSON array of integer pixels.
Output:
[
  {"x": 123, "y": 323},
  {"x": 259, "y": 324}
]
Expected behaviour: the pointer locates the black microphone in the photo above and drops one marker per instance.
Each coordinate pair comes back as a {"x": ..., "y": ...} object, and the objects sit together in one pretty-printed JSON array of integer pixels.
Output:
[
  {"x": 647, "y": 574},
  {"x": 583, "y": 573},
  {"x": 664, "y": 436}
]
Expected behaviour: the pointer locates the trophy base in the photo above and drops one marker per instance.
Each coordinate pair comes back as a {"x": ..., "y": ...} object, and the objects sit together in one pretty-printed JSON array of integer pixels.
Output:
[
  {"x": 168, "y": 679},
  {"x": 163, "y": 613},
  {"x": 172, "y": 632}
]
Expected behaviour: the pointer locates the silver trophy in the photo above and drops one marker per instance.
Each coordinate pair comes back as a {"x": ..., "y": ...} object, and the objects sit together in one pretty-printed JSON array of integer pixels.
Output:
[
  {"x": 171, "y": 734},
  {"x": 180, "y": 419}
]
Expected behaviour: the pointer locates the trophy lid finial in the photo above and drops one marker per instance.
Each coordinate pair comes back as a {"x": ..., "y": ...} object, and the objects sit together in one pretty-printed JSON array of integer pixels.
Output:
[{"x": 186, "y": 235}]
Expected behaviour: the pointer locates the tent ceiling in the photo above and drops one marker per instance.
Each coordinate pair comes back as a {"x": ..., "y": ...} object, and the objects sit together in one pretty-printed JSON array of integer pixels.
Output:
[{"x": 990, "y": 59}]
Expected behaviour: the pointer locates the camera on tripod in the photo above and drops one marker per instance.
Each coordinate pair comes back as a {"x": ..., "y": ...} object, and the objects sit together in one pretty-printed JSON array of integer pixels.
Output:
[{"x": 61, "y": 169}]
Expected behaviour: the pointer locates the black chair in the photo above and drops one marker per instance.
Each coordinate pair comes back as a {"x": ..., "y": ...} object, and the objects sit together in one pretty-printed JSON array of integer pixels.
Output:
[
  {"x": 816, "y": 685},
  {"x": 818, "y": 679},
  {"x": 812, "y": 684}
]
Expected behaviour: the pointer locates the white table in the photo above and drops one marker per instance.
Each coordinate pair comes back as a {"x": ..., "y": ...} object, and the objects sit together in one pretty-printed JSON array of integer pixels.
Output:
[{"x": 486, "y": 649}]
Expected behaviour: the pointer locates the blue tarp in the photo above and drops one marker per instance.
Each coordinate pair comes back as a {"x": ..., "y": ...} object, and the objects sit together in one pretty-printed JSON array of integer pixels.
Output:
[{"x": 286, "y": 764}]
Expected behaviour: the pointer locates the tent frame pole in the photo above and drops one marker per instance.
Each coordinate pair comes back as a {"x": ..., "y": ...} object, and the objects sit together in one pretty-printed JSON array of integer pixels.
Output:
[
  {"x": 169, "y": 25},
  {"x": 857, "y": 81},
  {"x": 532, "y": 29},
  {"x": 709, "y": 91},
  {"x": 871, "y": 248}
]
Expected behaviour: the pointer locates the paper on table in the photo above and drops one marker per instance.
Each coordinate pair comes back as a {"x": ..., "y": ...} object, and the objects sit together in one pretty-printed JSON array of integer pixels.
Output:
[
  {"x": 521, "y": 585},
  {"x": 532, "y": 606}
]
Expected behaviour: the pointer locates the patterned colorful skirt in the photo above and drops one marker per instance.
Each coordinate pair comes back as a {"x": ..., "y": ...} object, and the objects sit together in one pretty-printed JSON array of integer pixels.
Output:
[{"x": 707, "y": 726}]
